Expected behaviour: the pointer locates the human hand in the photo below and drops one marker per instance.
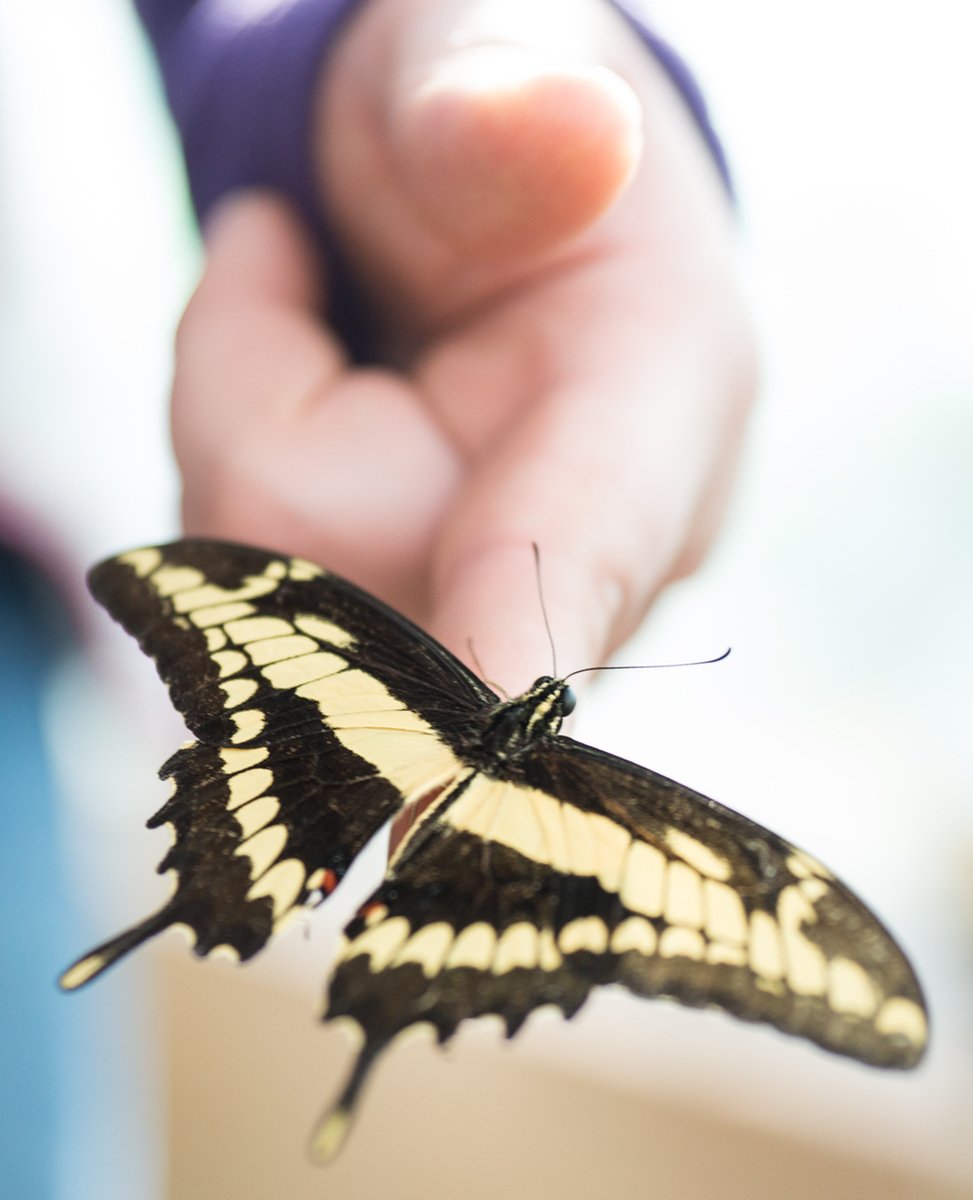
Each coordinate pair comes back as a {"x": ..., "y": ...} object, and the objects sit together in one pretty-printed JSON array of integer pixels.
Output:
[{"x": 548, "y": 254}]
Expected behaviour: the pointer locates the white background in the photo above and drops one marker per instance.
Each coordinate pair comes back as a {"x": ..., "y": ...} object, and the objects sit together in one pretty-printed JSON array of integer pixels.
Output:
[{"x": 844, "y": 580}]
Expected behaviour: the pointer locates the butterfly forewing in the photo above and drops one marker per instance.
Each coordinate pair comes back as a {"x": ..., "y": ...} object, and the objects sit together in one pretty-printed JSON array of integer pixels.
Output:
[{"x": 319, "y": 713}]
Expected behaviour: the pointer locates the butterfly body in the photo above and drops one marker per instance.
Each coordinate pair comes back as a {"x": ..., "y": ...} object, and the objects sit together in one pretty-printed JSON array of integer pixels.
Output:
[{"x": 536, "y": 868}]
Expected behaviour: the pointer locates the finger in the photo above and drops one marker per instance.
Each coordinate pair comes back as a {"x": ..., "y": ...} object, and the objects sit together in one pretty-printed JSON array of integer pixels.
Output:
[
  {"x": 279, "y": 443},
  {"x": 250, "y": 332},
  {"x": 506, "y": 151},
  {"x": 617, "y": 491},
  {"x": 461, "y": 143}
]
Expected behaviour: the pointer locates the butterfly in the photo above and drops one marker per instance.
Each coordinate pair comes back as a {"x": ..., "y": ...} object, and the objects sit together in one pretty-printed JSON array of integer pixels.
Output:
[{"x": 536, "y": 869}]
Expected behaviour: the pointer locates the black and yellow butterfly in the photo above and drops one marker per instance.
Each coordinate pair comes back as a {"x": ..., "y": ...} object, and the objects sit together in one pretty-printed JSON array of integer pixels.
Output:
[{"x": 541, "y": 867}]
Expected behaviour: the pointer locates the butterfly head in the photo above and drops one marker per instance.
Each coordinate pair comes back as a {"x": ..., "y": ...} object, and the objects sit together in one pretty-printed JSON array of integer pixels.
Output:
[{"x": 538, "y": 713}]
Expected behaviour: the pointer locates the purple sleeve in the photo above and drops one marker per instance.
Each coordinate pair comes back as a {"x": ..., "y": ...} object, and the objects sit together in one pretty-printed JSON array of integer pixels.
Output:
[
  {"x": 241, "y": 87},
  {"x": 240, "y": 77}
]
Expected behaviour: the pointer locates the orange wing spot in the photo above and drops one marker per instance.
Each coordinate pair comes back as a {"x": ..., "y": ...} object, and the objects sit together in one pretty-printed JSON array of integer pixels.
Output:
[{"x": 323, "y": 880}]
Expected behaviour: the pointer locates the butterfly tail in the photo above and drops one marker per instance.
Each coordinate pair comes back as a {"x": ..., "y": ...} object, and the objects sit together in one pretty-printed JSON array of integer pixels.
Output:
[
  {"x": 92, "y": 964},
  {"x": 332, "y": 1130}
]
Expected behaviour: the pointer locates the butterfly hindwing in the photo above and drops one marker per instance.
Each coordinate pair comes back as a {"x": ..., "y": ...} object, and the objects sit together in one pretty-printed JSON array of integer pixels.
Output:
[
  {"x": 319, "y": 713},
  {"x": 574, "y": 869}
]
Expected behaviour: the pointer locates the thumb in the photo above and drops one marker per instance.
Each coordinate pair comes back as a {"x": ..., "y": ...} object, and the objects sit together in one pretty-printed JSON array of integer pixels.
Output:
[{"x": 505, "y": 151}]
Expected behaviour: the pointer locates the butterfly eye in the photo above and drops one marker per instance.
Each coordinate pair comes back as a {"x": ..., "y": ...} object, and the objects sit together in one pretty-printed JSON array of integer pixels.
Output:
[{"x": 569, "y": 702}]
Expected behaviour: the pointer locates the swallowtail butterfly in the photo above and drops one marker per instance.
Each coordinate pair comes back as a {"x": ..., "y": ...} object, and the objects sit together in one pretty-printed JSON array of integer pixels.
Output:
[{"x": 541, "y": 868}]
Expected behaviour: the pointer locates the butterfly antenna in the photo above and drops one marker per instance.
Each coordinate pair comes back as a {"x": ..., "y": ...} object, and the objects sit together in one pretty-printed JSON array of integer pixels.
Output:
[
  {"x": 540, "y": 595},
  {"x": 697, "y": 662},
  {"x": 479, "y": 668}
]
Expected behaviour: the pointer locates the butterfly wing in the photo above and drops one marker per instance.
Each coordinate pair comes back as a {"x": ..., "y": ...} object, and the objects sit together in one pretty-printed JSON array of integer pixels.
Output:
[
  {"x": 318, "y": 713},
  {"x": 578, "y": 868}
]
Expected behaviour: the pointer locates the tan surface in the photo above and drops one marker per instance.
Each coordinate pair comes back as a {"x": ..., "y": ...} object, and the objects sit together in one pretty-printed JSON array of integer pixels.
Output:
[{"x": 250, "y": 1070}]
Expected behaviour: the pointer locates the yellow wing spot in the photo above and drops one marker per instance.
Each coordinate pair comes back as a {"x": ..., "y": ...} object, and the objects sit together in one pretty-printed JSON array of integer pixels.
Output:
[
  {"x": 684, "y": 896},
  {"x": 474, "y": 947},
  {"x": 519, "y": 817},
  {"x": 81, "y": 972},
  {"x": 378, "y": 721},
  {"x": 849, "y": 988},
  {"x": 276, "y": 569},
  {"x": 186, "y": 932},
  {"x": 263, "y": 849},
  {"x": 211, "y": 594},
  {"x": 698, "y": 855},
  {"x": 813, "y": 889},
  {"x": 428, "y": 947},
  {"x": 516, "y": 824},
  {"x": 381, "y": 942},
  {"x": 548, "y": 956},
  {"x": 475, "y": 810},
  {"x": 257, "y": 814},
  {"x": 766, "y": 951},
  {"x": 249, "y": 724},
  {"x": 294, "y": 672},
  {"x": 582, "y": 853},
  {"x": 169, "y": 580},
  {"x": 378, "y": 913},
  {"x": 517, "y": 947},
  {"x": 807, "y": 968},
  {"x": 248, "y": 785},
  {"x": 726, "y": 918},
  {"x": 230, "y": 662},
  {"x": 330, "y": 1136},
  {"x": 302, "y": 570},
  {"x": 142, "y": 562},
  {"x": 324, "y": 631},
  {"x": 584, "y": 933},
  {"x": 902, "y": 1017},
  {"x": 227, "y": 953},
  {"x": 720, "y": 952},
  {"x": 238, "y": 691},
  {"x": 549, "y": 813},
  {"x": 241, "y": 760},
  {"x": 276, "y": 649},
  {"x": 282, "y": 883},
  {"x": 805, "y": 867},
  {"x": 215, "y": 638},
  {"x": 352, "y": 691},
  {"x": 635, "y": 933},
  {"x": 677, "y": 942},
  {"x": 793, "y": 908},
  {"x": 643, "y": 885},
  {"x": 256, "y": 629},
  {"x": 611, "y": 844},
  {"x": 362, "y": 713},
  {"x": 220, "y": 614}
]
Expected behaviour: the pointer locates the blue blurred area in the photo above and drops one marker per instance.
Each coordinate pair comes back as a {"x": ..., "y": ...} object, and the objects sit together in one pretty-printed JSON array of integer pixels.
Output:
[
  {"x": 76, "y": 1115},
  {"x": 39, "y": 929}
]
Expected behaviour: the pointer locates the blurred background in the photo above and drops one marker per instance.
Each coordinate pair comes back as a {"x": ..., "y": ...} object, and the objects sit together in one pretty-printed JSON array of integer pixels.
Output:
[{"x": 843, "y": 582}]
